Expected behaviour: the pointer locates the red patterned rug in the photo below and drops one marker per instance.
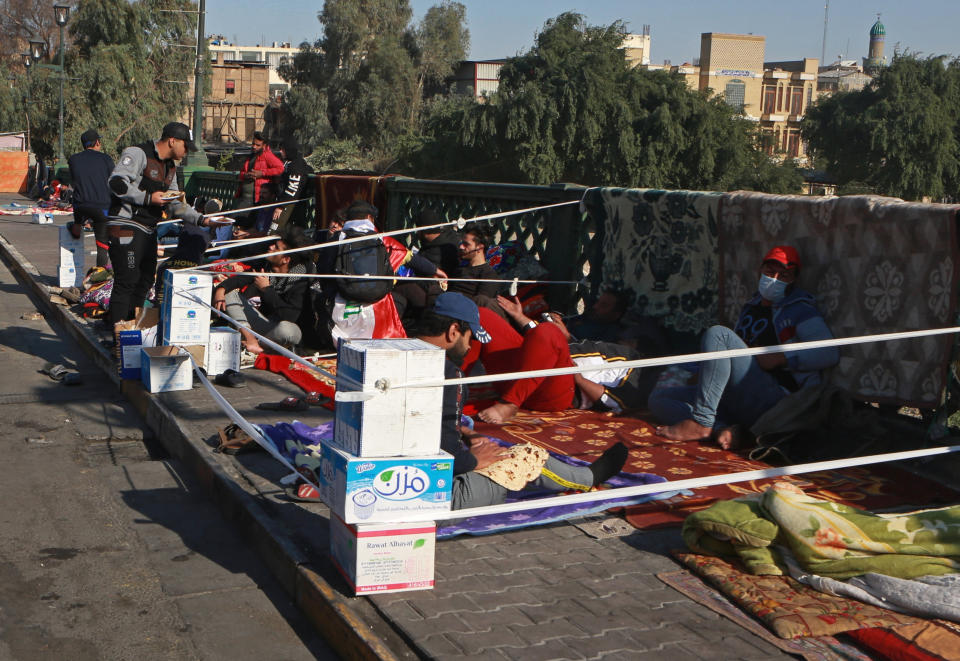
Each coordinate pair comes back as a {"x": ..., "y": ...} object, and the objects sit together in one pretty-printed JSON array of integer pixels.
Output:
[{"x": 585, "y": 434}]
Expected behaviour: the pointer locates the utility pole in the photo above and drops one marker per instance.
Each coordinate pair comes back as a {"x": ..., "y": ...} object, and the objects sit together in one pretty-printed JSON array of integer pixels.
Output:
[
  {"x": 823, "y": 48},
  {"x": 198, "y": 79}
]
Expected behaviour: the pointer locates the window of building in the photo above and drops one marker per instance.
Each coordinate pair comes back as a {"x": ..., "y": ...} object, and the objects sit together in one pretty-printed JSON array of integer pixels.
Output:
[
  {"x": 769, "y": 100},
  {"x": 735, "y": 93},
  {"x": 779, "y": 98},
  {"x": 230, "y": 87},
  {"x": 796, "y": 101},
  {"x": 250, "y": 56},
  {"x": 793, "y": 144},
  {"x": 809, "y": 96}
]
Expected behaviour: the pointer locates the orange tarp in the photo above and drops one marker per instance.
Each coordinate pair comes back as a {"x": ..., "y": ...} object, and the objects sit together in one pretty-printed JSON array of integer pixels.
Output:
[{"x": 13, "y": 171}]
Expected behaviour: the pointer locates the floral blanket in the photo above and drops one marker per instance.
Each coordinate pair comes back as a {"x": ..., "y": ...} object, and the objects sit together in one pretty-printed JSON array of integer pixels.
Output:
[
  {"x": 662, "y": 247},
  {"x": 826, "y": 538},
  {"x": 876, "y": 265}
]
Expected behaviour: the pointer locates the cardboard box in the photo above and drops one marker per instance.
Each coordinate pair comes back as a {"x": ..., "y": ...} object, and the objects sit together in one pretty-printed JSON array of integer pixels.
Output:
[
  {"x": 223, "y": 351},
  {"x": 384, "y": 558},
  {"x": 43, "y": 218},
  {"x": 186, "y": 325},
  {"x": 176, "y": 284},
  {"x": 379, "y": 489},
  {"x": 164, "y": 369},
  {"x": 130, "y": 336},
  {"x": 400, "y": 421},
  {"x": 72, "y": 253},
  {"x": 69, "y": 276}
]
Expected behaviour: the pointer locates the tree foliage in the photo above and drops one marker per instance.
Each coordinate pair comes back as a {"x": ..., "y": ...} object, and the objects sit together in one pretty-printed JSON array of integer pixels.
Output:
[
  {"x": 126, "y": 74},
  {"x": 368, "y": 73},
  {"x": 23, "y": 20},
  {"x": 572, "y": 110},
  {"x": 899, "y": 135}
]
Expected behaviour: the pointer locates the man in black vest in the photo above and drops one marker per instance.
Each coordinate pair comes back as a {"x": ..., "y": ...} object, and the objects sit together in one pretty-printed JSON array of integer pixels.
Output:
[
  {"x": 89, "y": 171},
  {"x": 143, "y": 185}
]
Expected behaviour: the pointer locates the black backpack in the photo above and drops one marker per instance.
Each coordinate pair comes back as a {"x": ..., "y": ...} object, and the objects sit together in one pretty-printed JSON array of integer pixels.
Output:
[{"x": 362, "y": 258}]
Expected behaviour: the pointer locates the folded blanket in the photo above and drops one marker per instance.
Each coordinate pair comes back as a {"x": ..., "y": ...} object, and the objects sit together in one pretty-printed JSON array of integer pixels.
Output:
[{"x": 828, "y": 539}]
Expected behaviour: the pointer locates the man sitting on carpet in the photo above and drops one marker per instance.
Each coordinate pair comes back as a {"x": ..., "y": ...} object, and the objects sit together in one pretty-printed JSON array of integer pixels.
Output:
[
  {"x": 483, "y": 471},
  {"x": 271, "y": 306},
  {"x": 739, "y": 390}
]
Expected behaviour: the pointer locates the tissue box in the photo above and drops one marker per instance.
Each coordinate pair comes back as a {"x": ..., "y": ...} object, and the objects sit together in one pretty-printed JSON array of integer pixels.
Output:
[
  {"x": 177, "y": 284},
  {"x": 400, "y": 421},
  {"x": 384, "y": 558},
  {"x": 164, "y": 369},
  {"x": 223, "y": 351},
  {"x": 186, "y": 325},
  {"x": 43, "y": 218},
  {"x": 378, "y": 489}
]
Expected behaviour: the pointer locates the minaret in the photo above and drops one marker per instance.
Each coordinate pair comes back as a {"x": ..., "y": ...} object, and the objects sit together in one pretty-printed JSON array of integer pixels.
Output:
[{"x": 875, "y": 60}]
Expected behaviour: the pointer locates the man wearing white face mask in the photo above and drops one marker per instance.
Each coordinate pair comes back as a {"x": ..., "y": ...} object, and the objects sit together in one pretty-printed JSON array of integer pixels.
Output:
[{"x": 737, "y": 391}]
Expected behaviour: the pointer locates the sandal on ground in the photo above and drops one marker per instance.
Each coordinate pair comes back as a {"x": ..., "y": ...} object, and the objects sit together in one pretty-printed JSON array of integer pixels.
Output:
[
  {"x": 233, "y": 440},
  {"x": 303, "y": 493},
  {"x": 55, "y": 371},
  {"x": 286, "y": 404},
  {"x": 314, "y": 398},
  {"x": 231, "y": 379}
]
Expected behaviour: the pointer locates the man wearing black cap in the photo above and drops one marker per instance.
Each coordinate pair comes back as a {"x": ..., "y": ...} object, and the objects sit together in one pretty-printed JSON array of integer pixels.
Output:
[
  {"x": 89, "y": 171},
  {"x": 144, "y": 185}
]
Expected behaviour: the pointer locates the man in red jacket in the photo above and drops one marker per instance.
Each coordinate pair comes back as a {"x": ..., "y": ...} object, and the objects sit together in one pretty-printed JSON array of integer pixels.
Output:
[{"x": 261, "y": 167}]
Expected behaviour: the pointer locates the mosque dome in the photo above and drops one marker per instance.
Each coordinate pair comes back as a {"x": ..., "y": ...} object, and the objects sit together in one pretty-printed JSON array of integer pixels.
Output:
[{"x": 878, "y": 30}]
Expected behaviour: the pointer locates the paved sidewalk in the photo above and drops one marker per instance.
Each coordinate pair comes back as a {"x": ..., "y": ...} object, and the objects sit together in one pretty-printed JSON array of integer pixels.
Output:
[{"x": 544, "y": 593}]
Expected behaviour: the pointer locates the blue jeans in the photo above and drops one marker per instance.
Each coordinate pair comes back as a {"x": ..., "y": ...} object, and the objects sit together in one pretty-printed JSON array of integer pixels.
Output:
[{"x": 730, "y": 390}]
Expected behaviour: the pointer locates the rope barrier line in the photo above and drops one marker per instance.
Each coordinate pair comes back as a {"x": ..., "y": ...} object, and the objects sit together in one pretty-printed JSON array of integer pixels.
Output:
[
  {"x": 460, "y": 222},
  {"x": 270, "y": 343},
  {"x": 399, "y": 278},
  {"x": 685, "y": 358},
  {"x": 232, "y": 211},
  {"x": 222, "y": 245},
  {"x": 689, "y": 483}
]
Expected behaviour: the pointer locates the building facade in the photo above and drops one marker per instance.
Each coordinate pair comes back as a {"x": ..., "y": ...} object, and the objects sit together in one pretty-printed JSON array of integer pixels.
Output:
[
  {"x": 477, "y": 78},
  {"x": 238, "y": 99},
  {"x": 271, "y": 56},
  {"x": 789, "y": 88},
  {"x": 732, "y": 66}
]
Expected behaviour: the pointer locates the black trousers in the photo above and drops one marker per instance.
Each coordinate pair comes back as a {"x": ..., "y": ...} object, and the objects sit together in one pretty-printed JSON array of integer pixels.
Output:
[
  {"x": 98, "y": 218},
  {"x": 133, "y": 254}
]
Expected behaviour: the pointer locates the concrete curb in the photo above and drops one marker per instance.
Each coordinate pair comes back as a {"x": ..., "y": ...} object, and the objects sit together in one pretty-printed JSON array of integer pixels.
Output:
[{"x": 330, "y": 613}]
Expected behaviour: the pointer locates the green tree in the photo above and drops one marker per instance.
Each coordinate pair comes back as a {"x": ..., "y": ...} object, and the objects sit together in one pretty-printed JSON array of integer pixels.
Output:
[
  {"x": 572, "y": 110},
  {"x": 370, "y": 69},
  {"x": 899, "y": 135},
  {"x": 127, "y": 74}
]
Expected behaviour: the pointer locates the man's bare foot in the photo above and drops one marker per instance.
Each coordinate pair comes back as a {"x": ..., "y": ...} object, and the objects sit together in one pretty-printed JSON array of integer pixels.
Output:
[
  {"x": 499, "y": 413},
  {"x": 730, "y": 438},
  {"x": 686, "y": 430}
]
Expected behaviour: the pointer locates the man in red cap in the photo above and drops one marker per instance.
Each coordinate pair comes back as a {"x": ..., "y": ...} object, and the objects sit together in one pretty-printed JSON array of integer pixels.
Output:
[{"x": 737, "y": 391}]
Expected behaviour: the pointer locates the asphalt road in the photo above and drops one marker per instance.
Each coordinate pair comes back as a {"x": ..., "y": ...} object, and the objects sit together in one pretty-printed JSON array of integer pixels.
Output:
[{"x": 108, "y": 550}]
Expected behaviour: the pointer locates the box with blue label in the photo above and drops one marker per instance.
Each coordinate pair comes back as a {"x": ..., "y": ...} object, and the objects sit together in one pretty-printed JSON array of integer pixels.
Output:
[
  {"x": 371, "y": 421},
  {"x": 181, "y": 290},
  {"x": 379, "y": 489},
  {"x": 186, "y": 325}
]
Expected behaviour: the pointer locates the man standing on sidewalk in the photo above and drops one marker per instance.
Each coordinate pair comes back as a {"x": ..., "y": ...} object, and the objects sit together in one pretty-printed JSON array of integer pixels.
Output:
[
  {"x": 144, "y": 185},
  {"x": 89, "y": 171}
]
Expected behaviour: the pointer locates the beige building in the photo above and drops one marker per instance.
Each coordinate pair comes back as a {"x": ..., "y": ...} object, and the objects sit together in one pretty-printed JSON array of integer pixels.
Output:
[
  {"x": 234, "y": 109},
  {"x": 477, "y": 78},
  {"x": 636, "y": 47},
  {"x": 273, "y": 56},
  {"x": 789, "y": 88},
  {"x": 732, "y": 66}
]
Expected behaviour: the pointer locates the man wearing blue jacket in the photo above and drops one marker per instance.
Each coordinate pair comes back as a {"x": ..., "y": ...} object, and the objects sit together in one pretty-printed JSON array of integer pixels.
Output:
[
  {"x": 734, "y": 392},
  {"x": 89, "y": 171}
]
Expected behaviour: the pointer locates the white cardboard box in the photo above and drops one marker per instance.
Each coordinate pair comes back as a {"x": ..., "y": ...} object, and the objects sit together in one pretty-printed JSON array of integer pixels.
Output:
[
  {"x": 164, "y": 369},
  {"x": 131, "y": 342},
  {"x": 177, "y": 283},
  {"x": 384, "y": 558},
  {"x": 223, "y": 351},
  {"x": 186, "y": 325},
  {"x": 71, "y": 249},
  {"x": 400, "y": 421},
  {"x": 379, "y": 489},
  {"x": 69, "y": 277},
  {"x": 43, "y": 218}
]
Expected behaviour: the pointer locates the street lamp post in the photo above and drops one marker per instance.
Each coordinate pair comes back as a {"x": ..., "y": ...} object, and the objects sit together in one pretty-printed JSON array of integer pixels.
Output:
[
  {"x": 27, "y": 59},
  {"x": 62, "y": 15}
]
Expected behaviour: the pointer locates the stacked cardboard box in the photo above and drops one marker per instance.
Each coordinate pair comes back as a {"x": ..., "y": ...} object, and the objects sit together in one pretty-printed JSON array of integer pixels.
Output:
[
  {"x": 384, "y": 464},
  {"x": 71, "y": 259}
]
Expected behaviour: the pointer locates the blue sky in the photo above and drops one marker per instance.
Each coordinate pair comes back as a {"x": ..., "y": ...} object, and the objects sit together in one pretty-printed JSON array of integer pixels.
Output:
[{"x": 500, "y": 28}]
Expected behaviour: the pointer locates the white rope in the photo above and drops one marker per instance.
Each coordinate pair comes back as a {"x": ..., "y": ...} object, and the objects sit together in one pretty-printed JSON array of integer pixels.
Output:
[
  {"x": 222, "y": 245},
  {"x": 460, "y": 222},
  {"x": 690, "y": 483},
  {"x": 270, "y": 343},
  {"x": 684, "y": 358},
  {"x": 233, "y": 211},
  {"x": 399, "y": 278}
]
